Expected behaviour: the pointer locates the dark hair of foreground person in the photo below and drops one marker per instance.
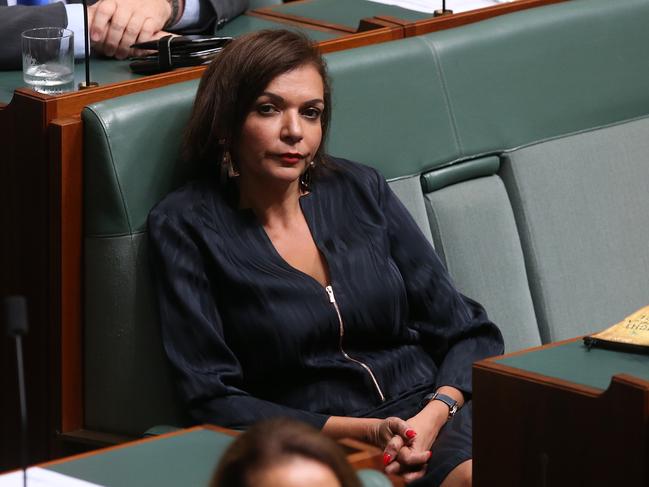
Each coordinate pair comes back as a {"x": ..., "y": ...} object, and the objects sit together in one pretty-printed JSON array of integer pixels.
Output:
[{"x": 274, "y": 443}]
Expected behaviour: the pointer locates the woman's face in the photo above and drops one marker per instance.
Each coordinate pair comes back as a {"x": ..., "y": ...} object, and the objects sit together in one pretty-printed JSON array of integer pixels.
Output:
[
  {"x": 296, "y": 472},
  {"x": 282, "y": 132}
]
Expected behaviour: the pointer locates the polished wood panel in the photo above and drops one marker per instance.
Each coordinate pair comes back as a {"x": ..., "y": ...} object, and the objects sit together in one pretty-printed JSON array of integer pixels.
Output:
[{"x": 66, "y": 137}]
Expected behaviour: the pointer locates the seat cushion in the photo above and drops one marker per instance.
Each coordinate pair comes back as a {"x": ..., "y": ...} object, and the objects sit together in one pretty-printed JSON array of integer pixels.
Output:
[{"x": 475, "y": 235}]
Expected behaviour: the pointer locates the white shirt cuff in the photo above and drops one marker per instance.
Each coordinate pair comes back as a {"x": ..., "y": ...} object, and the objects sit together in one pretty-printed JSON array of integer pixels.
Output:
[{"x": 75, "y": 24}]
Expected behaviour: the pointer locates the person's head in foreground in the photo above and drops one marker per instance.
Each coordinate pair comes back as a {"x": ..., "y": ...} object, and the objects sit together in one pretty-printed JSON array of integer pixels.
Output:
[
  {"x": 286, "y": 453},
  {"x": 263, "y": 109}
]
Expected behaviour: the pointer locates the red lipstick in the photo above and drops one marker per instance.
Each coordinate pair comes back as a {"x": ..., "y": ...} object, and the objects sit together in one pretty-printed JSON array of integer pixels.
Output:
[{"x": 291, "y": 157}]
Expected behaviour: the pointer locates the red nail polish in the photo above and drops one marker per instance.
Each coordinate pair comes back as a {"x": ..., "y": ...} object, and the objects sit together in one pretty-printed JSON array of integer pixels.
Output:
[
  {"x": 387, "y": 458},
  {"x": 411, "y": 434}
]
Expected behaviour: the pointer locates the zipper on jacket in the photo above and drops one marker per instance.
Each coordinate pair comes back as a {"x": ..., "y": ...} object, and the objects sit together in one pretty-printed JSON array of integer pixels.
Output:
[{"x": 341, "y": 329}]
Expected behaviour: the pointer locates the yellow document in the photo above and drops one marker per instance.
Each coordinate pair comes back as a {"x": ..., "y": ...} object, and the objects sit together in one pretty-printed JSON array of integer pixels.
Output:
[{"x": 632, "y": 330}]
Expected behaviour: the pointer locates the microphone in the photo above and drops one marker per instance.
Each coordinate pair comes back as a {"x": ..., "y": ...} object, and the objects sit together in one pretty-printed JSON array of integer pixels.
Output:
[
  {"x": 443, "y": 11},
  {"x": 86, "y": 58},
  {"x": 15, "y": 315}
]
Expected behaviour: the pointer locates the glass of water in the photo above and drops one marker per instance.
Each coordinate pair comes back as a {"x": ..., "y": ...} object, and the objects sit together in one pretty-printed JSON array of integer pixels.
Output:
[{"x": 48, "y": 59}]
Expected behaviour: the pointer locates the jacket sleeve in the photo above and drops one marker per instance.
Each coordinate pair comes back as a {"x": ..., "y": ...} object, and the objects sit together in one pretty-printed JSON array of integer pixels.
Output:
[
  {"x": 18, "y": 18},
  {"x": 209, "y": 375},
  {"x": 454, "y": 329},
  {"x": 214, "y": 14},
  {"x": 227, "y": 10}
]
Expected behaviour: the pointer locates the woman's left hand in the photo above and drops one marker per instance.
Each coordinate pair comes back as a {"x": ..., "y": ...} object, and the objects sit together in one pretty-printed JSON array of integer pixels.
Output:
[{"x": 410, "y": 460}]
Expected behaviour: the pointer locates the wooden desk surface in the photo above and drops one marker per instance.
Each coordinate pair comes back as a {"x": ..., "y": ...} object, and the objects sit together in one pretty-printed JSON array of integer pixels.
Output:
[
  {"x": 561, "y": 415},
  {"x": 573, "y": 362}
]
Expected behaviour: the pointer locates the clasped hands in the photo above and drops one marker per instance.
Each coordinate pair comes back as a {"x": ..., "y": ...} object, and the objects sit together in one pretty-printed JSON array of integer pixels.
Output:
[
  {"x": 117, "y": 24},
  {"x": 407, "y": 444}
]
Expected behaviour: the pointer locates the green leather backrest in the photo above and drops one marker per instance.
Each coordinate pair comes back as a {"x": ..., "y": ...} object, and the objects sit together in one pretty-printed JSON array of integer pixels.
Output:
[
  {"x": 131, "y": 148},
  {"x": 544, "y": 72},
  {"x": 133, "y": 144},
  {"x": 390, "y": 109}
]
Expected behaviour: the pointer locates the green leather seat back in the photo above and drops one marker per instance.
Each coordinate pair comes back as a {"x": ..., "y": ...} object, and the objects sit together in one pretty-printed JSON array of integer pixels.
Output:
[
  {"x": 131, "y": 161},
  {"x": 544, "y": 72},
  {"x": 389, "y": 108},
  {"x": 582, "y": 208}
]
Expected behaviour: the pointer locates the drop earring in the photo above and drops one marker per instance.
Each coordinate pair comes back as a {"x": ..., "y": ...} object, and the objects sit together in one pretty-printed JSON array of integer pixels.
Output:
[
  {"x": 226, "y": 161},
  {"x": 305, "y": 178}
]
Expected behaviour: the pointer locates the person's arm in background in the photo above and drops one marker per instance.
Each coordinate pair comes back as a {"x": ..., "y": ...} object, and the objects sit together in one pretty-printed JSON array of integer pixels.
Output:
[
  {"x": 17, "y": 18},
  {"x": 117, "y": 24}
]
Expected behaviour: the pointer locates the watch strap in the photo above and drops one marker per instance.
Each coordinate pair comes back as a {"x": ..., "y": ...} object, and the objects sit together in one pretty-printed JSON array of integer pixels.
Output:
[{"x": 448, "y": 400}]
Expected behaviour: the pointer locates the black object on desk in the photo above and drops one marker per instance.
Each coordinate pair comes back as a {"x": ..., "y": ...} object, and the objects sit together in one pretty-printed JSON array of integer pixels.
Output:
[
  {"x": 177, "y": 52},
  {"x": 15, "y": 312}
]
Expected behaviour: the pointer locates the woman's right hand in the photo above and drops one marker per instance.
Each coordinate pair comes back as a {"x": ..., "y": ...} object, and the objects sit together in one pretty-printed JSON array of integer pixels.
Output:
[{"x": 392, "y": 434}]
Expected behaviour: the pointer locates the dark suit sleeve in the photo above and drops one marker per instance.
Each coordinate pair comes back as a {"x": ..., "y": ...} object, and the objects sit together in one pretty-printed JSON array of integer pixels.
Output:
[
  {"x": 455, "y": 330},
  {"x": 209, "y": 374},
  {"x": 219, "y": 12},
  {"x": 16, "y": 19}
]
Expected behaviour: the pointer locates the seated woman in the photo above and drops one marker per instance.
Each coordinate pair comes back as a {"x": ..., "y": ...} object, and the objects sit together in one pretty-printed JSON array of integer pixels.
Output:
[
  {"x": 287, "y": 453},
  {"x": 295, "y": 284}
]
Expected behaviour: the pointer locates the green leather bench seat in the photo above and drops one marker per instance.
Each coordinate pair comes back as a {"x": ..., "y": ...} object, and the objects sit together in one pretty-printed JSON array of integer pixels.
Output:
[
  {"x": 517, "y": 144},
  {"x": 476, "y": 236},
  {"x": 346, "y": 12}
]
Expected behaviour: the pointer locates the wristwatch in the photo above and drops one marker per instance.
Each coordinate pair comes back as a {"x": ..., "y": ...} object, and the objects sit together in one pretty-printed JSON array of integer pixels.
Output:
[{"x": 449, "y": 401}]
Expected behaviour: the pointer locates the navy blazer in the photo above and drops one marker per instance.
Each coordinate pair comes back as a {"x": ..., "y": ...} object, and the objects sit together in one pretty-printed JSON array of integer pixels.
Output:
[{"x": 251, "y": 337}]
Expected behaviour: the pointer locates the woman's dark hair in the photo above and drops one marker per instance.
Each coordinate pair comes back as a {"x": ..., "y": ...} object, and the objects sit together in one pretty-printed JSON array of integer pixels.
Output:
[
  {"x": 267, "y": 443},
  {"x": 236, "y": 78}
]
